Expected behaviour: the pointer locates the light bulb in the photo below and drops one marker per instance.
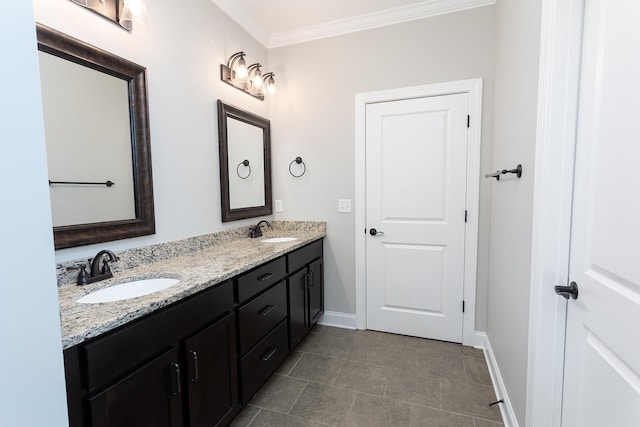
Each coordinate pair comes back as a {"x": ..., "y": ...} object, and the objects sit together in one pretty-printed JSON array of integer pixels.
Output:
[
  {"x": 271, "y": 85},
  {"x": 241, "y": 69}
]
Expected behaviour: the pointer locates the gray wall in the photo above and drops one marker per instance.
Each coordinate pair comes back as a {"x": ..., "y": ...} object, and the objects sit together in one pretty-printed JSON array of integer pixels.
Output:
[
  {"x": 182, "y": 54},
  {"x": 514, "y": 136},
  {"x": 32, "y": 391},
  {"x": 313, "y": 116}
]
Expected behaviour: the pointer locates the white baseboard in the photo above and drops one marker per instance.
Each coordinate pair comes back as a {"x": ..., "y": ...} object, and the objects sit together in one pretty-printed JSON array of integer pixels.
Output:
[
  {"x": 339, "y": 320},
  {"x": 508, "y": 416}
]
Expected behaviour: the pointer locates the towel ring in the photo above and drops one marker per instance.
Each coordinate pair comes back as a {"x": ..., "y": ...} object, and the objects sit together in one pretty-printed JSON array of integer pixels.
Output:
[
  {"x": 297, "y": 160},
  {"x": 245, "y": 163}
]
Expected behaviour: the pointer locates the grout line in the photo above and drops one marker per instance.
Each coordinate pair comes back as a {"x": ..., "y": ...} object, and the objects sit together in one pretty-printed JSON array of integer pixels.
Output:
[
  {"x": 297, "y": 398},
  {"x": 254, "y": 417}
]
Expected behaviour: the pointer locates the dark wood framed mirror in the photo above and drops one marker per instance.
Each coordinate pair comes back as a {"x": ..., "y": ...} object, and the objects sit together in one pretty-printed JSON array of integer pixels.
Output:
[
  {"x": 245, "y": 163},
  {"x": 92, "y": 150}
]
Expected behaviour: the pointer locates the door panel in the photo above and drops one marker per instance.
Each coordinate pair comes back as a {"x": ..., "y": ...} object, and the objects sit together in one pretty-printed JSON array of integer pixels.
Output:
[
  {"x": 149, "y": 397},
  {"x": 212, "y": 373},
  {"x": 416, "y": 191},
  {"x": 602, "y": 358},
  {"x": 420, "y": 269}
]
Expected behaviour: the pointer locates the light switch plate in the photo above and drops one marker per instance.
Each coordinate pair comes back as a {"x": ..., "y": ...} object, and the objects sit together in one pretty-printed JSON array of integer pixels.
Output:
[
  {"x": 344, "y": 205},
  {"x": 278, "y": 205}
]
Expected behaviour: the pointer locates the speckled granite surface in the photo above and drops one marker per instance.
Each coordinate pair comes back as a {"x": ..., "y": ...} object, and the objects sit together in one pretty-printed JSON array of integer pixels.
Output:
[{"x": 199, "y": 262}]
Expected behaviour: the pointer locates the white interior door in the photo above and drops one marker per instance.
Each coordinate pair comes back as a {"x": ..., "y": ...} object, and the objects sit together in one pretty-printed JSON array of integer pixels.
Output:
[
  {"x": 602, "y": 358},
  {"x": 415, "y": 201}
]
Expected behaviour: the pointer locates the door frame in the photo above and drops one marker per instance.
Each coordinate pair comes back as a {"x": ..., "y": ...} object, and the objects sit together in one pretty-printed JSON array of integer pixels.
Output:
[
  {"x": 557, "y": 118},
  {"x": 473, "y": 88}
]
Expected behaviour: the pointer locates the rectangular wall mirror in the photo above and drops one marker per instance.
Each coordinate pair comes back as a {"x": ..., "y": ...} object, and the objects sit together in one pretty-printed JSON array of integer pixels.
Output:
[
  {"x": 97, "y": 137},
  {"x": 245, "y": 163}
]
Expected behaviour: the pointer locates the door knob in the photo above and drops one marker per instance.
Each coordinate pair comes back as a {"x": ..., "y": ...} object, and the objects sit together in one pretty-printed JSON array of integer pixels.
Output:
[
  {"x": 568, "y": 291},
  {"x": 374, "y": 232}
]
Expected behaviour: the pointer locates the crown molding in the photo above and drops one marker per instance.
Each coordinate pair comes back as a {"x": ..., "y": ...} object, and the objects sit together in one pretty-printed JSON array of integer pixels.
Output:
[
  {"x": 242, "y": 18},
  {"x": 369, "y": 21}
]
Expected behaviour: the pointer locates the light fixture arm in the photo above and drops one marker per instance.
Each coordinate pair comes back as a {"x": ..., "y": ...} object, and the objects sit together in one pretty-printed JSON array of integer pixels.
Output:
[{"x": 234, "y": 58}]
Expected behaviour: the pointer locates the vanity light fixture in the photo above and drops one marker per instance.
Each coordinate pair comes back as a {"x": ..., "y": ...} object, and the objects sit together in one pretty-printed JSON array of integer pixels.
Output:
[
  {"x": 129, "y": 14},
  {"x": 269, "y": 82},
  {"x": 255, "y": 79},
  {"x": 133, "y": 16},
  {"x": 248, "y": 79}
]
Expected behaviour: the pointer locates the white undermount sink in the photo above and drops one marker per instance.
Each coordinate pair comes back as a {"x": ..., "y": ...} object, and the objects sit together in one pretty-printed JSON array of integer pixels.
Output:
[
  {"x": 127, "y": 290},
  {"x": 279, "y": 239}
]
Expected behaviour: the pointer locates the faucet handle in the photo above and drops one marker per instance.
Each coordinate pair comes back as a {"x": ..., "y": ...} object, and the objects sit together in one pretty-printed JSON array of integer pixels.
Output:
[
  {"x": 83, "y": 276},
  {"x": 105, "y": 267}
]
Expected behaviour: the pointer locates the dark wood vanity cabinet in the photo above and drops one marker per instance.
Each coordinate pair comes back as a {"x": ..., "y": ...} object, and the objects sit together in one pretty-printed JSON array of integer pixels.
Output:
[
  {"x": 306, "y": 290},
  {"x": 198, "y": 361},
  {"x": 173, "y": 368},
  {"x": 262, "y": 325}
]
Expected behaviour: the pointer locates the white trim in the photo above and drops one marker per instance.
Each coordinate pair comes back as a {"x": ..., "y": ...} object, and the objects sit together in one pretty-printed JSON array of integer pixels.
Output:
[
  {"x": 425, "y": 9},
  {"x": 419, "y": 10},
  {"x": 555, "y": 149},
  {"x": 244, "y": 19},
  {"x": 506, "y": 409},
  {"x": 474, "y": 88},
  {"x": 339, "y": 320}
]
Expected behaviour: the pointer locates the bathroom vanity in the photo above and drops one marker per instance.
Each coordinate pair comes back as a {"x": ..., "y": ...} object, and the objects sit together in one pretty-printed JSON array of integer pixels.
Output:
[{"x": 194, "y": 354}]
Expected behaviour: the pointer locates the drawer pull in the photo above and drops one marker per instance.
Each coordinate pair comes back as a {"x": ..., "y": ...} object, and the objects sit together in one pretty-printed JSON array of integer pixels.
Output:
[
  {"x": 194, "y": 358},
  {"x": 268, "y": 309},
  {"x": 265, "y": 277},
  {"x": 268, "y": 354},
  {"x": 174, "y": 379}
]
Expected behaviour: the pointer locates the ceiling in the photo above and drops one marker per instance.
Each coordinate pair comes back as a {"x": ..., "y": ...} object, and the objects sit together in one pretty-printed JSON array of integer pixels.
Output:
[{"x": 282, "y": 22}]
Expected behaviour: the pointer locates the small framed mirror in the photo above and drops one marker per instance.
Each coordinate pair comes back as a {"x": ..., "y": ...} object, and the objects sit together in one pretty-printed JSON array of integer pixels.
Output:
[
  {"x": 245, "y": 163},
  {"x": 98, "y": 145}
]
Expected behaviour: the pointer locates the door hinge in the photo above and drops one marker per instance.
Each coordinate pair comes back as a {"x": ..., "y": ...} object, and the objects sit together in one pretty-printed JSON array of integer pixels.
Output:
[
  {"x": 465, "y": 216},
  {"x": 468, "y": 121},
  {"x": 463, "y": 306}
]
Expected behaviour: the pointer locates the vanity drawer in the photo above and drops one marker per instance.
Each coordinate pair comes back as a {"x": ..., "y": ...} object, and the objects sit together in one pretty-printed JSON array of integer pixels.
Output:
[
  {"x": 300, "y": 257},
  {"x": 255, "y": 281},
  {"x": 262, "y": 361},
  {"x": 260, "y": 315},
  {"x": 108, "y": 358}
]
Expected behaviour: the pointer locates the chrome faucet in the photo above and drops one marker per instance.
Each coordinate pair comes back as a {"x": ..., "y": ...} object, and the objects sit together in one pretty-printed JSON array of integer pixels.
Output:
[
  {"x": 257, "y": 231},
  {"x": 96, "y": 273}
]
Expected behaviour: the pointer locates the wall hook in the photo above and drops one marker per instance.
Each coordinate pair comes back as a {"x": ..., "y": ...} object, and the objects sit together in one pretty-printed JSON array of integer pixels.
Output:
[
  {"x": 496, "y": 174},
  {"x": 245, "y": 163},
  {"x": 297, "y": 160}
]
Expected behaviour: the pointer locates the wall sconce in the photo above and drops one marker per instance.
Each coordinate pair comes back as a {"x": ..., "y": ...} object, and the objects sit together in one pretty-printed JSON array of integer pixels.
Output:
[
  {"x": 248, "y": 79},
  {"x": 129, "y": 14}
]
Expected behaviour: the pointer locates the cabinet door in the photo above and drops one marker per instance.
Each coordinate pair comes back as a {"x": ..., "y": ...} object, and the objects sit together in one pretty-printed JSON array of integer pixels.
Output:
[
  {"x": 211, "y": 374},
  {"x": 149, "y": 397},
  {"x": 298, "y": 324},
  {"x": 316, "y": 291}
]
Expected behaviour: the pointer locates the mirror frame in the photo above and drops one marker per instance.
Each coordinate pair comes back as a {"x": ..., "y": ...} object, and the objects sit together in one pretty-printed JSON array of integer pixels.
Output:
[
  {"x": 228, "y": 111},
  {"x": 74, "y": 50}
]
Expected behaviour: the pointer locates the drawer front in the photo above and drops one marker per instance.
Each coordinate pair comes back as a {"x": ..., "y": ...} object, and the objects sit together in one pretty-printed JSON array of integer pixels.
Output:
[
  {"x": 255, "y": 281},
  {"x": 262, "y": 361},
  {"x": 108, "y": 357},
  {"x": 300, "y": 257},
  {"x": 259, "y": 316}
]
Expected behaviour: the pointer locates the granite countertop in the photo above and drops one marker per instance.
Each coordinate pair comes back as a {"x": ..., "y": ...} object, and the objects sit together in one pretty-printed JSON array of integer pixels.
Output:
[{"x": 196, "y": 270}]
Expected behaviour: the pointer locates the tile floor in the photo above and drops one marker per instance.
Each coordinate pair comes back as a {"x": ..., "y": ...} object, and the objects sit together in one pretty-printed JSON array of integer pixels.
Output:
[{"x": 340, "y": 377}]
